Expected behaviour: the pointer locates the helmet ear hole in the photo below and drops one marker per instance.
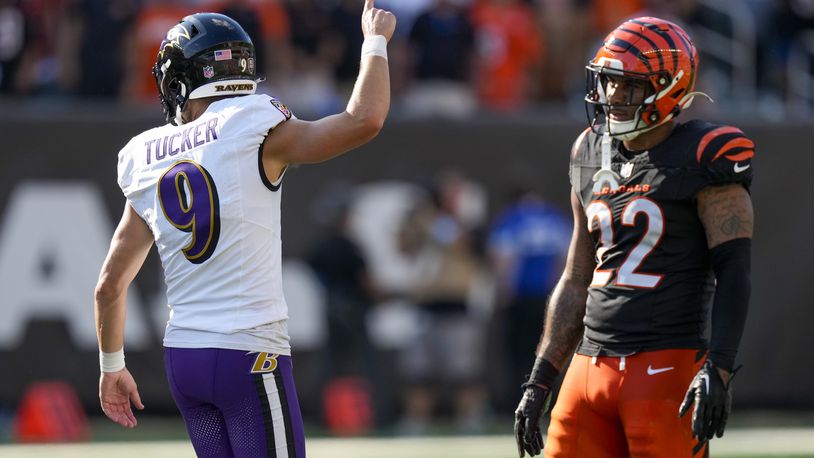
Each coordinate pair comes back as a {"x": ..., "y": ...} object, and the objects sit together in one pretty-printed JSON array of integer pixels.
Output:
[
  {"x": 202, "y": 50},
  {"x": 669, "y": 73}
]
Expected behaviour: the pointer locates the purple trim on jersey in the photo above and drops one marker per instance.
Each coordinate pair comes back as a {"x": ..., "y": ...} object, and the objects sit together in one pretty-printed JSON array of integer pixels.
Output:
[
  {"x": 226, "y": 408},
  {"x": 262, "y": 168}
]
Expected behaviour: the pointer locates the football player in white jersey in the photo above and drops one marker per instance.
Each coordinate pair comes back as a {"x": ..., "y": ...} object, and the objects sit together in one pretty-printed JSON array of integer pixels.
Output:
[{"x": 205, "y": 188}]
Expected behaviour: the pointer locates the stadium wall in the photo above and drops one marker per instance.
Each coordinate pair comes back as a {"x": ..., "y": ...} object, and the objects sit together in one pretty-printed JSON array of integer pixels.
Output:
[{"x": 59, "y": 203}]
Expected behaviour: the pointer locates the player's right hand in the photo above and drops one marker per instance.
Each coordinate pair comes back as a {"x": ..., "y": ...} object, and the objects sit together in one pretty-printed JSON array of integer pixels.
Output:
[
  {"x": 377, "y": 21},
  {"x": 713, "y": 401},
  {"x": 527, "y": 419},
  {"x": 116, "y": 391}
]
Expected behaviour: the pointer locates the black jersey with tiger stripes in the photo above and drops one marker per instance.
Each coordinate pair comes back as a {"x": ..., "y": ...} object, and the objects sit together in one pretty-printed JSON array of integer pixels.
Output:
[{"x": 653, "y": 283}]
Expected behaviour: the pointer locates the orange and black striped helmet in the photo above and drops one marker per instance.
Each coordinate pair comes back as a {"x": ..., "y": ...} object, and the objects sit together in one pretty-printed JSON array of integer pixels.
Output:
[{"x": 648, "y": 49}]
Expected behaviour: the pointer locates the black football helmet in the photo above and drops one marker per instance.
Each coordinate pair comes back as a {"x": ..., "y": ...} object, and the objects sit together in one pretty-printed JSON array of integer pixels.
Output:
[{"x": 204, "y": 55}]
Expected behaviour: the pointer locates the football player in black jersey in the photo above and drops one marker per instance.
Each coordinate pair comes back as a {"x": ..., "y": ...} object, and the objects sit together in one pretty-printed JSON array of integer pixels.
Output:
[{"x": 663, "y": 227}]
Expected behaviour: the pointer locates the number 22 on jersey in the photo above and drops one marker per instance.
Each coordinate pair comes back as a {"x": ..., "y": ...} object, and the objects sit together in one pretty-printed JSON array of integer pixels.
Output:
[
  {"x": 627, "y": 274},
  {"x": 189, "y": 200}
]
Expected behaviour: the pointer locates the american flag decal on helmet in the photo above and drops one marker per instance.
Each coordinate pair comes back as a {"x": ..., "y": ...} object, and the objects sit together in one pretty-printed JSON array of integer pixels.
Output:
[{"x": 223, "y": 54}]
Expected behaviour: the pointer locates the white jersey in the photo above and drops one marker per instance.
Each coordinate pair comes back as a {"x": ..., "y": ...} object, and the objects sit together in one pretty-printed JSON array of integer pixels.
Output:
[{"x": 216, "y": 223}]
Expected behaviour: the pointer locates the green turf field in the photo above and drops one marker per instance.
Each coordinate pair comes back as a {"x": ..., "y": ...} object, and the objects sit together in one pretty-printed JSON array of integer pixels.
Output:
[
  {"x": 751, "y": 435},
  {"x": 739, "y": 443}
]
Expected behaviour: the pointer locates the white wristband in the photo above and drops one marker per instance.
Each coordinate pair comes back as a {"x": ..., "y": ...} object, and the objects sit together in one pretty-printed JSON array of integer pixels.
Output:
[
  {"x": 375, "y": 46},
  {"x": 111, "y": 362}
]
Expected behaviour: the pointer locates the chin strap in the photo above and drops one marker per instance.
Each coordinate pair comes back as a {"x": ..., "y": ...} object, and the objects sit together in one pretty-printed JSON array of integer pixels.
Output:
[
  {"x": 178, "y": 119},
  {"x": 686, "y": 101},
  {"x": 606, "y": 174},
  {"x": 180, "y": 103}
]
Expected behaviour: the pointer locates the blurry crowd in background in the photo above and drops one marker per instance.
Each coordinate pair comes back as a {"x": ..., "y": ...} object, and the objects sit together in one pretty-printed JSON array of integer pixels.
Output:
[
  {"x": 420, "y": 280},
  {"x": 450, "y": 57},
  {"x": 426, "y": 269}
]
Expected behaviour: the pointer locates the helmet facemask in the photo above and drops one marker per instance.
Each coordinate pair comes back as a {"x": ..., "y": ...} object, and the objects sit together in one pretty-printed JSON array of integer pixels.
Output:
[
  {"x": 647, "y": 51},
  {"x": 172, "y": 90},
  {"x": 636, "y": 104}
]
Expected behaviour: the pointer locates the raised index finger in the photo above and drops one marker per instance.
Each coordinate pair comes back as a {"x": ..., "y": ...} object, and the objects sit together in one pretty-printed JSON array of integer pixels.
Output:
[{"x": 369, "y": 5}]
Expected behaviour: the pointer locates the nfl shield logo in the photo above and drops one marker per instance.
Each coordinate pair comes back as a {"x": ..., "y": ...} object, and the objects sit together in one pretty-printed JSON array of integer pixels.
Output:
[
  {"x": 208, "y": 72},
  {"x": 627, "y": 170}
]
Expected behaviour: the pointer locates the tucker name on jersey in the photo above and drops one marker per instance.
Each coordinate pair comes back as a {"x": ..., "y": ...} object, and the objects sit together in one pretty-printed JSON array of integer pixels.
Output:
[{"x": 216, "y": 220}]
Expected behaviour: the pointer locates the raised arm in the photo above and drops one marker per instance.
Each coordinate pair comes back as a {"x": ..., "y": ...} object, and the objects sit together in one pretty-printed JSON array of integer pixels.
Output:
[
  {"x": 128, "y": 249},
  {"x": 297, "y": 141},
  {"x": 561, "y": 334}
]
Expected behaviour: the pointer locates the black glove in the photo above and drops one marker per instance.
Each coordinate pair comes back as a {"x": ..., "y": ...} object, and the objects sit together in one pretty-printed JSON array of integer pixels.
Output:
[
  {"x": 713, "y": 402},
  {"x": 527, "y": 419}
]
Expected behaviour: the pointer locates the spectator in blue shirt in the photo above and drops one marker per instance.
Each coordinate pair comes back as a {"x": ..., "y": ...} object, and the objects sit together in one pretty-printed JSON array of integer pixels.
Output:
[{"x": 527, "y": 245}]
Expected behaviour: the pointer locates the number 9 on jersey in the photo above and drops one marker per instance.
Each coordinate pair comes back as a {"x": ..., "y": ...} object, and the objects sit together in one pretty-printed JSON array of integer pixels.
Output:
[{"x": 189, "y": 200}]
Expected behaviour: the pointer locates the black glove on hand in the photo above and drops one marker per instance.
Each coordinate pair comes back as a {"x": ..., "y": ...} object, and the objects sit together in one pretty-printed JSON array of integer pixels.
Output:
[
  {"x": 527, "y": 419},
  {"x": 713, "y": 402}
]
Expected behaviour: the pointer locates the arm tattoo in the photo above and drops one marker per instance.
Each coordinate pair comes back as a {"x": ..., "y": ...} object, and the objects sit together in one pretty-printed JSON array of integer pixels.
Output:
[
  {"x": 563, "y": 325},
  {"x": 566, "y": 308},
  {"x": 733, "y": 225},
  {"x": 726, "y": 213}
]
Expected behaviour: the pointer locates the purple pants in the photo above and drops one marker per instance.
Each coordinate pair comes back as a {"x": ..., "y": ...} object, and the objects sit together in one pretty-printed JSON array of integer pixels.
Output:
[{"x": 236, "y": 404}]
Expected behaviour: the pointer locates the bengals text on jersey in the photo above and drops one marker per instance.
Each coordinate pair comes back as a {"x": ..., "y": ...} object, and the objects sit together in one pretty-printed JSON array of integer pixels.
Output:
[{"x": 653, "y": 282}]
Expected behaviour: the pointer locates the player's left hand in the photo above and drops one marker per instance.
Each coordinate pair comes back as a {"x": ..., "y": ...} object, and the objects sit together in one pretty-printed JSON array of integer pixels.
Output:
[
  {"x": 116, "y": 391},
  {"x": 527, "y": 420},
  {"x": 713, "y": 402}
]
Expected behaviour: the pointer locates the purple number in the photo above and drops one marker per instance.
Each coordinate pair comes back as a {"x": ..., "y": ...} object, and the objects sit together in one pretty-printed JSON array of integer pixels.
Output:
[{"x": 189, "y": 200}]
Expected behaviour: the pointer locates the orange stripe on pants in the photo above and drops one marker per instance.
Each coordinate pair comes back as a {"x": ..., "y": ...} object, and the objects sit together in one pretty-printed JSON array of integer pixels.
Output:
[{"x": 625, "y": 407}]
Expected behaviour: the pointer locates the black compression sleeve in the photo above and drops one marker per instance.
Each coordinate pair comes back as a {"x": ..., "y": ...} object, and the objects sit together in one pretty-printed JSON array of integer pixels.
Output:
[
  {"x": 731, "y": 262},
  {"x": 543, "y": 374}
]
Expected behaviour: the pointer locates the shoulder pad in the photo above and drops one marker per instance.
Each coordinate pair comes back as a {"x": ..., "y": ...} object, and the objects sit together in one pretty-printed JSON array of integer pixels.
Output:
[
  {"x": 723, "y": 143},
  {"x": 131, "y": 157},
  {"x": 724, "y": 154},
  {"x": 255, "y": 114},
  {"x": 577, "y": 146}
]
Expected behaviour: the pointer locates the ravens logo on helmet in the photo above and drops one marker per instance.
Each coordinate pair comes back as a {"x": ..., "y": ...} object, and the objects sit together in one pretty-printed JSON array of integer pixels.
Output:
[{"x": 204, "y": 55}]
